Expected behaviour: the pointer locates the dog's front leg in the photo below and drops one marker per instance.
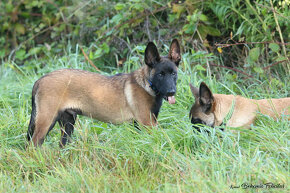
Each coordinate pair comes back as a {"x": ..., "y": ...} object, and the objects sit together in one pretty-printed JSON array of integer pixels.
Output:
[{"x": 149, "y": 120}]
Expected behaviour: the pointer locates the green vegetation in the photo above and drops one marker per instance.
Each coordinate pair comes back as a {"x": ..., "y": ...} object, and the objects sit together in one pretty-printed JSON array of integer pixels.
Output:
[
  {"x": 109, "y": 31},
  {"x": 40, "y": 36},
  {"x": 119, "y": 158}
]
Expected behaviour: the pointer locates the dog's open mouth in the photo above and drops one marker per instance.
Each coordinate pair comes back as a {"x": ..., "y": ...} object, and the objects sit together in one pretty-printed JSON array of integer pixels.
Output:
[{"x": 170, "y": 99}]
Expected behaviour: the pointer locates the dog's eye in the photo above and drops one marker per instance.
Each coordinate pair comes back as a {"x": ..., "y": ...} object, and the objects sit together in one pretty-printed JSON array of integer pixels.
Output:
[
  {"x": 173, "y": 73},
  {"x": 161, "y": 74}
]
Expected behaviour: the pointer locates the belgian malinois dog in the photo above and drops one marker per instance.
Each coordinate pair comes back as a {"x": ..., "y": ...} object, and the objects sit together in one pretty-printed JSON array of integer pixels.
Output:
[
  {"x": 63, "y": 94},
  {"x": 213, "y": 109}
]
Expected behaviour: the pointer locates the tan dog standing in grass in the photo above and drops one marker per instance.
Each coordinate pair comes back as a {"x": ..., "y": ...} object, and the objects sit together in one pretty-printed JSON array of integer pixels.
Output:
[
  {"x": 63, "y": 94},
  {"x": 233, "y": 111}
]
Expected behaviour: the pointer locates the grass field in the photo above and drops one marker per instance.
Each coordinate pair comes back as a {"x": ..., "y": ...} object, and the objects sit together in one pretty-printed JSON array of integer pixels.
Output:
[{"x": 118, "y": 158}]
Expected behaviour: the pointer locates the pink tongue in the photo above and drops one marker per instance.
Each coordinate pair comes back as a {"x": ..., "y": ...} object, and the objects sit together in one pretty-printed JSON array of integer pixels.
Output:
[{"x": 171, "y": 99}]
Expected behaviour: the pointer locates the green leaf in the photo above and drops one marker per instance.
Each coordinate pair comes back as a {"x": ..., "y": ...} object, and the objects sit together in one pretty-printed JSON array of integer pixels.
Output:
[
  {"x": 98, "y": 53},
  {"x": 120, "y": 6},
  {"x": 8, "y": 7},
  {"x": 105, "y": 48},
  {"x": 258, "y": 70},
  {"x": 91, "y": 55},
  {"x": 200, "y": 67},
  {"x": 254, "y": 54},
  {"x": 34, "y": 50},
  {"x": 96, "y": 129},
  {"x": 204, "y": 30},
  {"x": 79, "y": 14},
  {"x": 203, "y": 17},
  {"x": 20, "y": 54},
  {"x": 2, "y": 53},
  {"x": 281, "y": 58},
  {"x": 116, "y": 19},
  {"x": 34, "y": 3},
  {"x": 19, "y": 28},
  {"x": 138, "y": 7},
  {"x": 231, "y": 77},
  {"x": 213, "y": 31},
  {"x": 189, "y": 29},
  {"x": 274, "y": 47},
  {"x": 178, "y": 9},
  {"x": 171, "y": 17},
  {"x": 192, "y": 18}
]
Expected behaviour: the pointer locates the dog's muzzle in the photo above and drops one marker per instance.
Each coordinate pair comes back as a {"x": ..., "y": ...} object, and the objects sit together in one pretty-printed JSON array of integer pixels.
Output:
[{"x": 170, "y": 97}]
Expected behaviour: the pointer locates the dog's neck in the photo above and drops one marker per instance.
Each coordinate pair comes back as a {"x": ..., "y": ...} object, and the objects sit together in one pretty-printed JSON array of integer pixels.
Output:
[
  {"x": 142, "y": 77},
  {"x": 223, "y": 105}
]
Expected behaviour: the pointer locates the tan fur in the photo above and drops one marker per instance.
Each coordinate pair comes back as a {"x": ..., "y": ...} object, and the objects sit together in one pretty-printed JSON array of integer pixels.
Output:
[
  {"x": 245, "y": 111},
  {"x": 63, "y": 94},
  {"x": 109, "y": 99}
]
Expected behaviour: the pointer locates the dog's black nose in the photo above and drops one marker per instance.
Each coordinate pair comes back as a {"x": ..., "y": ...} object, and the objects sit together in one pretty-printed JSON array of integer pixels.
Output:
[{"x": 171, "y": 93}]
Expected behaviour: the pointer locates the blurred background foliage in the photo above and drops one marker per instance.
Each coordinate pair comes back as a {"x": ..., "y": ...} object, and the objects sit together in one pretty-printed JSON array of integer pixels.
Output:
[{"x": 109, "y": 31}]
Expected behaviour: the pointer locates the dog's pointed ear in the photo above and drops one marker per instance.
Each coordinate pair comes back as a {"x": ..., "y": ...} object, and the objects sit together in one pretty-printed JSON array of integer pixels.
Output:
[
  {"x": 151, "y": 55},
  {"x": 174, "y": 52},
  {"x": 206, "y": 98},
  {"x": 195, "y": 91}
]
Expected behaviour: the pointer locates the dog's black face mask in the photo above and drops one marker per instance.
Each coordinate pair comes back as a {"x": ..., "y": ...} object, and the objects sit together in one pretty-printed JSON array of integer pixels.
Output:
[
  {"x": 164, "y": 80},
  {"x": 163, "y": 70},
  {"x": 198, "y": 123},
  {"x": 201, "y": 112}
]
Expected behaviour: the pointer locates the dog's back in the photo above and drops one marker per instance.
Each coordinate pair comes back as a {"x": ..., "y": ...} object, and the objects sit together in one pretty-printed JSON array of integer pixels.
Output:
[
  {"x": 274, "y": 107},
  {"x": 245, "y": 110},
  {"x": 97, "y": 96}
]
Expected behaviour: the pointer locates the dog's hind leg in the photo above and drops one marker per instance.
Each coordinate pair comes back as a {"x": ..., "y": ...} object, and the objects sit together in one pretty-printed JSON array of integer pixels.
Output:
[
  {"x": 31, "y": 126},
  {"x": 44, "y": 121},
  {"x": 67, "y": 120}
]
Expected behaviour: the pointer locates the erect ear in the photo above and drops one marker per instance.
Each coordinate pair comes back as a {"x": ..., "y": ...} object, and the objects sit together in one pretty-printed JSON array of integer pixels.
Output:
[
  {"x": 194, "y": 91},
  {"x": 151, "y": 55},
  {"x": 206, "y": 98},
  {"x": 174, "y": 52}
]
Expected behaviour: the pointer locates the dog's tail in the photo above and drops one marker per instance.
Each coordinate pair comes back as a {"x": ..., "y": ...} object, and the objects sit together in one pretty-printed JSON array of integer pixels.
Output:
[{"x": 31, "y": 126}]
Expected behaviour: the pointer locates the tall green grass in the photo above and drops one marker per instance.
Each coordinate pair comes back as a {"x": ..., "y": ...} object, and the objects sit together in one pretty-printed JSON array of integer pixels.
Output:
[{"x": 119, "y": 158}]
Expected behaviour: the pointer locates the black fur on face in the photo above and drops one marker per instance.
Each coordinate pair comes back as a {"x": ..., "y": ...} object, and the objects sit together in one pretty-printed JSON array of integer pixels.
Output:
[
  {"x": 163, "y": 72},
  {"x": 197, "y": 123},
  {"x": 164, "y": 76}
]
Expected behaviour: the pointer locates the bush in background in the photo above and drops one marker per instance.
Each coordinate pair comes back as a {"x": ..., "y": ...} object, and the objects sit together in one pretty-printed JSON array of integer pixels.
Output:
[{"x": 107, "y": 30}]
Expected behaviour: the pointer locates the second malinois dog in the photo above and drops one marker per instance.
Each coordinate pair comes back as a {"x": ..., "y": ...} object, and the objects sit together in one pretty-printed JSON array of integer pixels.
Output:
[
  {"x": 63, "y": 94},
  {"x": 233, "y": 111}
]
